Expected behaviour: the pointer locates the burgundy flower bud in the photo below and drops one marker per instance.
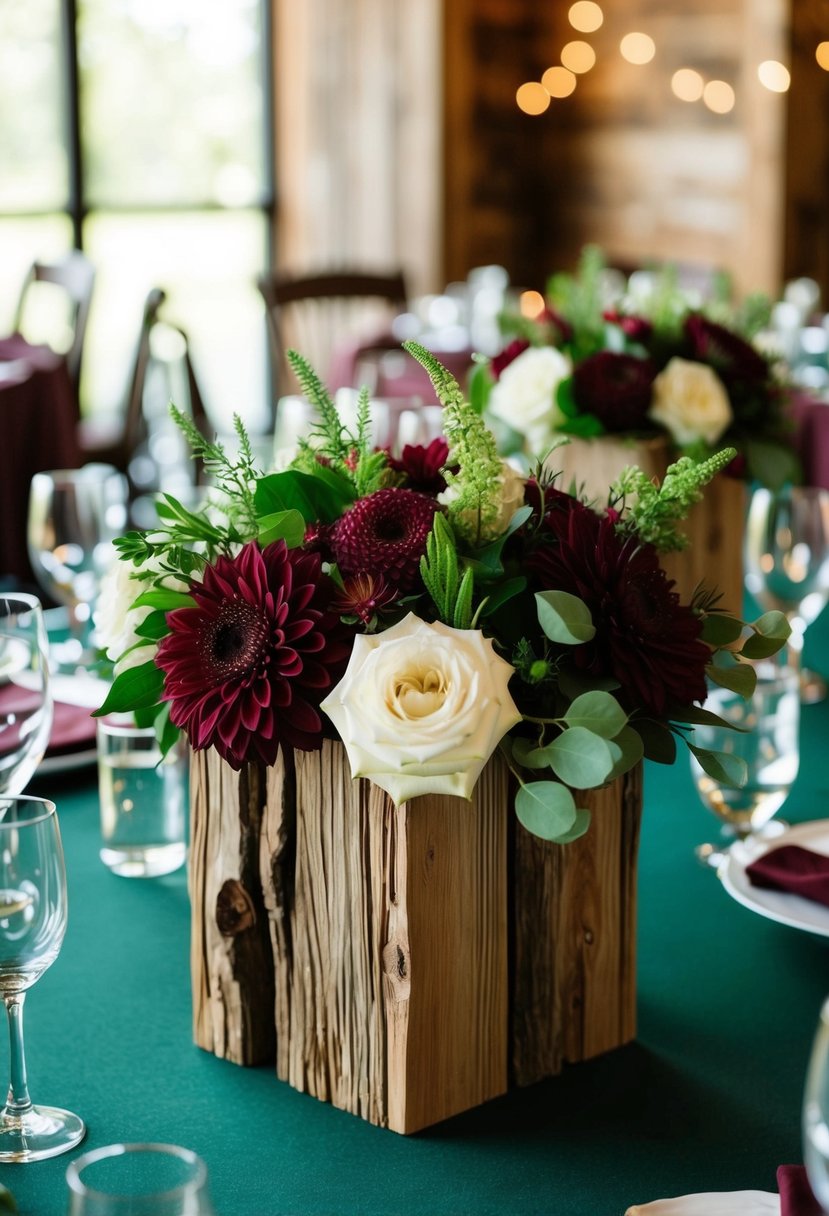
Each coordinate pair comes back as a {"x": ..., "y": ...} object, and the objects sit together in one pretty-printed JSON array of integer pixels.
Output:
[{"x": 616, "y": 388}]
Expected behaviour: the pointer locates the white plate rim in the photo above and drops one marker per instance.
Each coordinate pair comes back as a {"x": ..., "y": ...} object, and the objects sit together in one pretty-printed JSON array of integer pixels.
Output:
[{"x": 780, "y": 906}]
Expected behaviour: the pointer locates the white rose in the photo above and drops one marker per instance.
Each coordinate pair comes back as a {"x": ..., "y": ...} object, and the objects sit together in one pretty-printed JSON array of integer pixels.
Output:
[
  {"x": 116, "y": 621},
  {"x": 525, "y": 395},
  {"x": 422, "y": 707},
  {"x": 511, "y": 497},
  {"x": 690, "y": 401}
]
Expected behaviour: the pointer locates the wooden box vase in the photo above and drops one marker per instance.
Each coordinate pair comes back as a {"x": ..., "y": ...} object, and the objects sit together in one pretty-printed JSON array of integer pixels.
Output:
[
  {"x": 714, "y": 527},
  {"x": 405, "y": 963}
]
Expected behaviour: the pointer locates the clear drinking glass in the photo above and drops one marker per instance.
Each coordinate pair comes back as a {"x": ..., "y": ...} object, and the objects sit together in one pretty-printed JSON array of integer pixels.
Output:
[
  {"x": 25, "y": 692},
  {"x": 787, "y": 561},
  {"x": 816, "y": 1113},
  {"x": 768, "y": 742},
  {"x": 32, "y": 925},
  {"x": 74, "y": 516},
  {"x": 138, "y": 1180}
]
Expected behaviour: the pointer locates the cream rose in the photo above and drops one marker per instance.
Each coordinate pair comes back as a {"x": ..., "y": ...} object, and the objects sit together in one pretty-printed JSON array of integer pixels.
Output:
[
  {"x": 510, "y": 499},
  {"x": 690, "y": 401},
  {"x": 116, "y": 621},
  {"x": 525, "y": 395},
  {"x": 422, "y": 707}
]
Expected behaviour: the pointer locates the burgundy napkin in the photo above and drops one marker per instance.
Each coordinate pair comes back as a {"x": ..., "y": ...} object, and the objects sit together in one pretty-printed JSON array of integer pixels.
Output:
[
  {"x": 796, "y": 1198},
  {"x": 72, "y": 725},
  {"x": 794, "y": 869}
]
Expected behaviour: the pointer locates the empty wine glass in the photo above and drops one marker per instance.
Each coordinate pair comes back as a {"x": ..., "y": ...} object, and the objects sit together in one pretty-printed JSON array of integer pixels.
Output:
[
  {"x": 787, "y": 562},
  {"x": 74, "y": 516},
  {"x": 138, "y": 1180},
  {"x": 25, "y": 691},
  {"x": 32, "y": 926},
  {"x": 816, "y": 1113},
  {"x": 767, "y": 739}
]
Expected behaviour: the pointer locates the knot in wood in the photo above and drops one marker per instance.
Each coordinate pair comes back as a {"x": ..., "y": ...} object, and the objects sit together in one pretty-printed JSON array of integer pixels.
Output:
[{"x": 234, "y": 909}]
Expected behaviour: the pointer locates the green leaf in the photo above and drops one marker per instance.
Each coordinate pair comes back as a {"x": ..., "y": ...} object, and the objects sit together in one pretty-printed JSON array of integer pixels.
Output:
[
  {"x": 565, "y": 399},
  {"x": 282, "y": 525},
  {"x": 703, "y": 717},
  {"x": 8, "y": 1202},
  {"x": 323, "y": 496},
  {"x": 528, "y": 754},
  {"x": 718, "y": 629},
  {"x": 479, "y": 386},
  {"x": 546, "y": 809},
  {"x": 153, "y": 626},
  {"x": 597, "y": 711},
  {"x": 166, "y": 733},
  {"x": 659, "y": 743},
  {"x": 724, "y": 767},
  {"x": 582, "y": 823},
  {"x": 574, "y": 683},
  {"x": 166, "y": 600},
  {"x": 564, "y": 617},
  {"x": 580, "y": 758},
  {"x": 134, "y": 689},
  {"x": 627, "y": 749},
  {"x": 587, "y": 426},
  {"x": 504, "y": 592},
  {"x": 740, "y": 678},
  {"x": 771, "y": 630}
]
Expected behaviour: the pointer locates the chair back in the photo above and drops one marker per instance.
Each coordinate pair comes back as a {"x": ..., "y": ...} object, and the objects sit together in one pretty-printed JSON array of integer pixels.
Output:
[
  {"x": 74, "y": 275},
  {"x": 315, "y": 313}
]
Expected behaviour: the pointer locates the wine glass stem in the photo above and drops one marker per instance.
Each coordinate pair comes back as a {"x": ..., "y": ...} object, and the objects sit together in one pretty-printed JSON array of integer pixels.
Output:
[
  {"x": 18, "y": 1101},
  {"x": 794, "y": 646}
]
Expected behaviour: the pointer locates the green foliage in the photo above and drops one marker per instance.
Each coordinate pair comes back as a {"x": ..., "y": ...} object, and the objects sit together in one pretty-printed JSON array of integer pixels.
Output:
[
  {"x": 450, "y": 591},
  {"x": 578, "y": 297},
  {"x": 8, "y": 1203},
  {"x": 564, "y": 617},
  {"x": 137, "y": 688},
  {"x": 654, "y": 511},
  {"x": 233, "y": 477}
]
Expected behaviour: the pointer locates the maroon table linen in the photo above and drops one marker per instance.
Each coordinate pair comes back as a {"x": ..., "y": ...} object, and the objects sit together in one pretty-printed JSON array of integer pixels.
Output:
[
  {"x": 793, "y": 869},
  {"x": 796, "y": 1198},
  {"x": 399, "y": 375}
]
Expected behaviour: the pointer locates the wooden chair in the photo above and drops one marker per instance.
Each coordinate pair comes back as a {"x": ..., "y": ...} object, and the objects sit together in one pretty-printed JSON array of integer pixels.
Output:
[
  {"x": 316, "y": 313},
  {"x": 74, "y": 274}
]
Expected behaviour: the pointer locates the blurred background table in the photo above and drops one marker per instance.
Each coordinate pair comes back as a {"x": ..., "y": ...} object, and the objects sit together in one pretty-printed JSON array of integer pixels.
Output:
[{"x": 707, "y": 1098}]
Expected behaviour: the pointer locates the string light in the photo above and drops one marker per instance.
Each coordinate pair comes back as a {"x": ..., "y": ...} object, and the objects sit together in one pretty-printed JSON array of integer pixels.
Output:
[
  {"x": 718, "y": 96},
  {"x": 531, "y": 304},
  {"x": 585, "y": 16},
  {"x": 637, "y": 48},
  {"x": 687, "y": 84},
  {"x": 558, "y": 82},
  {"x": 822, "y": 55},
  {"x": 578, "y": 56},
  {"x": 532, "y": 97},
  {"x": 774, "y": 76}
]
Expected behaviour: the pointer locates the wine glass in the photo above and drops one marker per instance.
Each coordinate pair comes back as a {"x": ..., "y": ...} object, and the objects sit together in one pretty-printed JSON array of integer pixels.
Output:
[
  {"x": 32, "y": 925},
  {"x": 74, "y": 516},
  {"x": 816, "y": 1113},
  {"x": 787, "y": 562},
  {"x": 25, "y": 691},
  {"x": 767, "y": 739},
  {"x": 138, "y": 1180}
]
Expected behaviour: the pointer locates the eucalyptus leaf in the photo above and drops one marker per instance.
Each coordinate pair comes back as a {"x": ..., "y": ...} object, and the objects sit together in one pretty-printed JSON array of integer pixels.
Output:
[
  {"x": 627, "y": 749},
  {"x": 597, "y": 711},
  {"x": 704, "y": 717},
  {"x": 659, "y": 743},
  {"x": 740, "y": 678},
  {"x": 578, "y": 829},
  {"x": 580, "y": 758},
  {"x": 564, "y": 617},
  {"x": 546, "y": 809},
  {"x": 760, "y": 646},
  {"x": 528, "y": 754},
  {"x": 136, "y": 688},
  {"x": 726, "y": 768},
  {"x": 719, "y": 629},
  {"x": 773, "y": 625}
]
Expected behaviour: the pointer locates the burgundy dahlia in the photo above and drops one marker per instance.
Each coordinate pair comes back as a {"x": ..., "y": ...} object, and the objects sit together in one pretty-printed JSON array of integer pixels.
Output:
[
  {"x": 638, "y": 329},
  {"x": 557, "y": 328},
  {"x": 615, "y": 388},
  {"x": 246, "y": 668},
  {"x": 385, "y": 533},
  {"x": 508, "y": 355},
  {"x": 645, "y": 638},
  {"x": 363, "y": 595},
  {"x": 422, "y": 466},
  {"x": 733, "y": 359}
]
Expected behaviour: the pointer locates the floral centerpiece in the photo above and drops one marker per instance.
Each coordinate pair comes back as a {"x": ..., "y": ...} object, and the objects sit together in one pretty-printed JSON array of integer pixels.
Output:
[
  {"x": 638, "y": 365},
  {"x": 425, "y": 609}
]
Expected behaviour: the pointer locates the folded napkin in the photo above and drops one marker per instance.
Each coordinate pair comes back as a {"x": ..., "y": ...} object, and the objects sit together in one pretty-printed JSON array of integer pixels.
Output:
[
  {"x": 73, "y": 727},
  {"x": 793, "y": 869},
  {"x": 796, "y": 1198},
  {"x": 714, "y": 1203}
]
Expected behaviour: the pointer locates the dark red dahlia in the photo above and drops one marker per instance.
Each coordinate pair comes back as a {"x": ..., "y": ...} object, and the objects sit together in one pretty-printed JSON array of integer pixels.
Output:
[
  {"x": 385, "y": 533},
  {"x": 508, "y": 355},
  {"x": 616, "y": 388},
  {"x": 246, "y": 668},
  {"x": 363, "y": 595},
  {"x": 318, "y": 539},
  {"x": 645, "y": 638},
  {"x": 733, "y": 359},
  {"x": 423, "y": 465},
  {"x": 638, "y": 329}
]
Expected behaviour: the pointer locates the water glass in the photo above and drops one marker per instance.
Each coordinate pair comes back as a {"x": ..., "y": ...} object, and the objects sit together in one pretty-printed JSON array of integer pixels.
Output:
[
  {"x": 143, "y": 801},
  {"x": 25, "y": 692},
  {"x": 138, "y": 1180},
  {"x": 816, "y": 1113}
]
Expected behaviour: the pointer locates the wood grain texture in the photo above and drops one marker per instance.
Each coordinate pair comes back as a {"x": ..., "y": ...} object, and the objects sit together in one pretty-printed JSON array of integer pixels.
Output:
[
  {"x": 714, "y": 527},
  {"x": 230, "y": 955},
  {"x": 574, "y": 947}
]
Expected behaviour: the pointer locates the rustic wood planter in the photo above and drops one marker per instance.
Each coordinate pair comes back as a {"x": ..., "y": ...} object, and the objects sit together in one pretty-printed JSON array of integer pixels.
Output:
[
  {"x": 405, "y": 964},
  {"x": 714, "y": 526}
]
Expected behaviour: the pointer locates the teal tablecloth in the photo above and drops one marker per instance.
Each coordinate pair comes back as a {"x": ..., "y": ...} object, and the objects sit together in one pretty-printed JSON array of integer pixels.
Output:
[{"x": 708, "y": 1098}]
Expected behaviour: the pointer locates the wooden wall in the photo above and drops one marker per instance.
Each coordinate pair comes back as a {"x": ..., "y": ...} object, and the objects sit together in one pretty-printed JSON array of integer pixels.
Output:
[
  {"x": 806, "y": 249},
  {"x": 622, "y": 162},
  {"x": 358, "y": 135}
]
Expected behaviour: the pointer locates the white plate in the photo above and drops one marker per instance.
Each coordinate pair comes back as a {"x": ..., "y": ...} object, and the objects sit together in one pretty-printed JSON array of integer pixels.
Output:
[
  {"x": 52, "y": 765},
  {"x": 788, "y": 909}
]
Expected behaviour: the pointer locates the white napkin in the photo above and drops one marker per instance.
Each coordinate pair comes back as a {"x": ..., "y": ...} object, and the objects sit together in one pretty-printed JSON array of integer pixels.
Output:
[{"x": 713, "y": 1203}]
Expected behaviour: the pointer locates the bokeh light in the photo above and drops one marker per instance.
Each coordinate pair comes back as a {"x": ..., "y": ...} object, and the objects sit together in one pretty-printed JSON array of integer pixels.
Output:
[
  {"x": 532, "y": 97},
  {"x": 558, "y": 82},
  {"x": 822, "y": 55},
  {"x": 578, "y": 56},
  {"x": 585, "y": 16},
  {"x": 687, "y": 84},
  {"x": 774, "y": 76},
  {"x": 531, "y": 304},
  {"x": 719, "y": 96},
  {"x": 637, "y": 48}
]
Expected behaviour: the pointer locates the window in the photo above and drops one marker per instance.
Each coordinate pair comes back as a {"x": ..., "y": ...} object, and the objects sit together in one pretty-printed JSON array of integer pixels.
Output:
[{"x": 140, "y": 131}]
